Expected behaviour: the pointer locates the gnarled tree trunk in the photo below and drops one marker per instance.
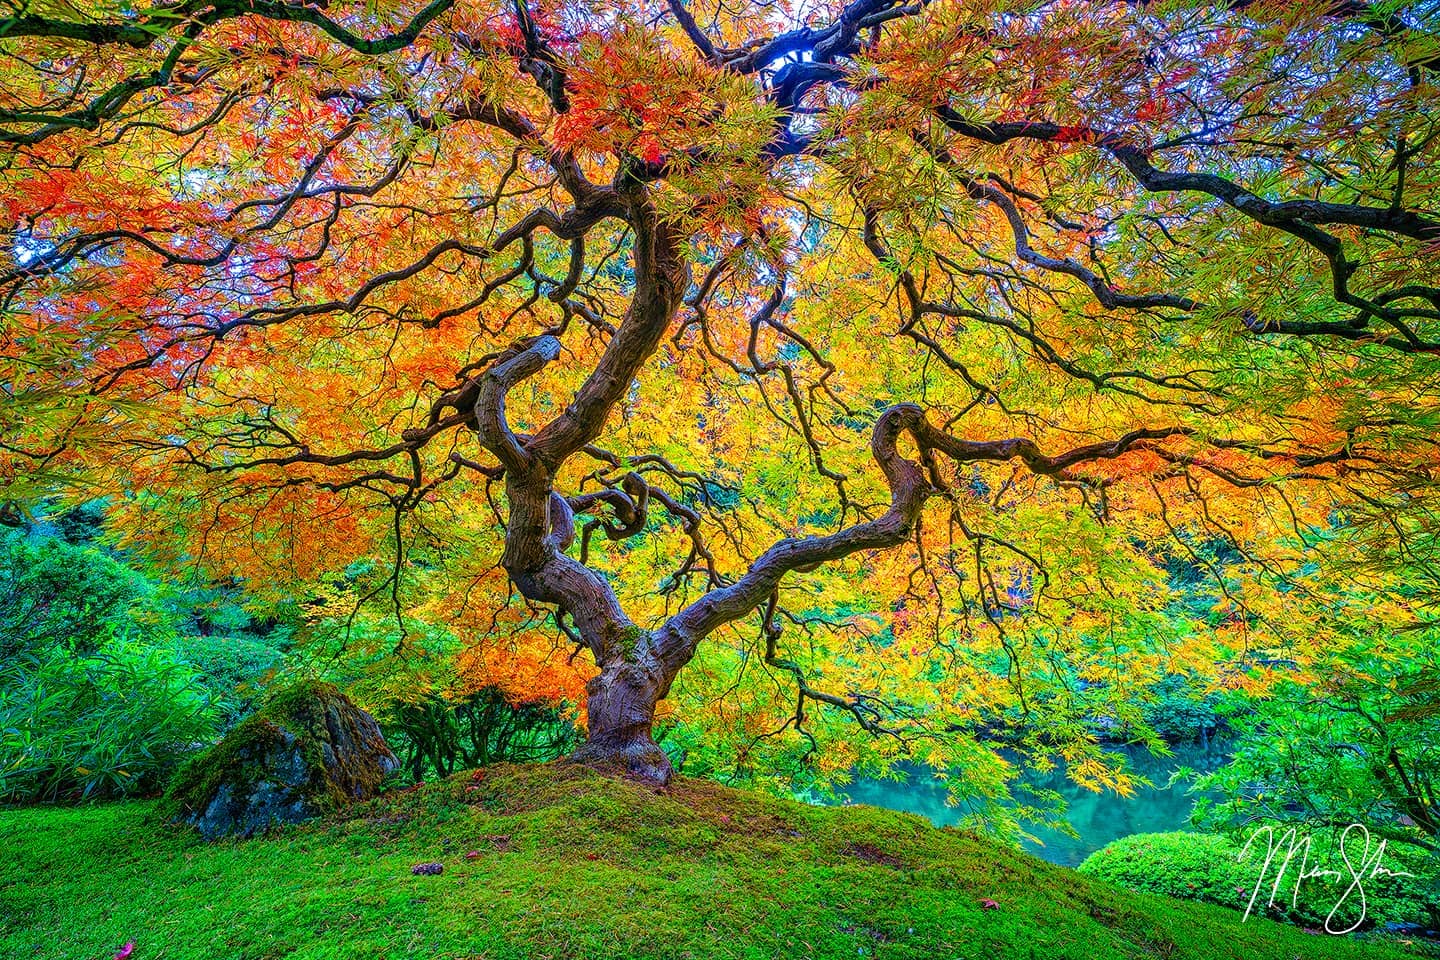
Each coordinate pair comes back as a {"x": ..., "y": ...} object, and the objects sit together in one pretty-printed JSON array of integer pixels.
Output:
[
  {"x": 621, "y": 707},
  {"x": 540, "y": 527}
]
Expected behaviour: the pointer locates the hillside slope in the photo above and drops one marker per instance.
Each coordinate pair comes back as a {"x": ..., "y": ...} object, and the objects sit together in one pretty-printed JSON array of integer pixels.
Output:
[{"x": 559, "y": 862}]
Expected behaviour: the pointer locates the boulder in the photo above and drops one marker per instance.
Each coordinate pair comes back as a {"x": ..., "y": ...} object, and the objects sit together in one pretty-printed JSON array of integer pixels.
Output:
[{"x": 306, "y": 752}]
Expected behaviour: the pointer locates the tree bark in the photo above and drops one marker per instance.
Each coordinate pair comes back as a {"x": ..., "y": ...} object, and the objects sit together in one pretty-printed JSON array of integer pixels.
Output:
[
  {"x": 621, "y": 706},
  {"x": 540, "y": 525}
]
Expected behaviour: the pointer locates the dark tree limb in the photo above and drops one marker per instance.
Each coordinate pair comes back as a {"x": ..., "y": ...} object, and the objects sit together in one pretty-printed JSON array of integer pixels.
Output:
[{"x": 911, "y": 483}]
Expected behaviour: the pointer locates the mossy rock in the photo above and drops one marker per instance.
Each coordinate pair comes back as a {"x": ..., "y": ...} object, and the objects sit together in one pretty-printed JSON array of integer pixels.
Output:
[{"x": 307, "y": 751}]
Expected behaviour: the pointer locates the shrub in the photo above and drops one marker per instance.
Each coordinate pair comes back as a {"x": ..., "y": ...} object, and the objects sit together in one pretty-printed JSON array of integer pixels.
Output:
[
  {"x": 102, "y": 690},
  {"x": 1180, "y": 709},
  {"x": 52, "y": 593},
  {"x": 436, "y": 737},
  {"x": 114, "y": 722},
  {"x": 1209, "y": 867},
  {"x": 232, "y": 668}
]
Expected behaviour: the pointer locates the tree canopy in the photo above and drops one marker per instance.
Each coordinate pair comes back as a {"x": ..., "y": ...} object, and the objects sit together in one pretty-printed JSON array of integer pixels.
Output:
[{"x": 909, "y": 371}]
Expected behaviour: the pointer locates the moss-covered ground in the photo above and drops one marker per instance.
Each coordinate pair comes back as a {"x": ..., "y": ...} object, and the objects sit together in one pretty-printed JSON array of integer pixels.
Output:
[{"x": 559, "y": 862}]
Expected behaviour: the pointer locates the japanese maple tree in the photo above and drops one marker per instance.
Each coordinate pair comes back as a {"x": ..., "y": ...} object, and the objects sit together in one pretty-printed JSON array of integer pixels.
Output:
[{"x": 874, "y": 345}]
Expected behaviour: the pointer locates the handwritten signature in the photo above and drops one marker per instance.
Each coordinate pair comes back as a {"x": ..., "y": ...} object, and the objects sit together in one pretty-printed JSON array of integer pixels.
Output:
[{"x": 1293, "y": 845}]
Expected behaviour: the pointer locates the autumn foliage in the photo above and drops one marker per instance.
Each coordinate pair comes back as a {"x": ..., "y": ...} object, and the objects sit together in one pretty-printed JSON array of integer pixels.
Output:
[{"x": 430, "y": 314}]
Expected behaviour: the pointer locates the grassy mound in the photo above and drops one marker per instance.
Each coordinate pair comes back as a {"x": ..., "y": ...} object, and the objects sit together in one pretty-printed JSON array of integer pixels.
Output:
[{"x": 559, "y": 862}]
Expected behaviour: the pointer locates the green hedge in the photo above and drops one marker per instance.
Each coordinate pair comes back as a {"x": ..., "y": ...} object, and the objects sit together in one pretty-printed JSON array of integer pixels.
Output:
[{"x": 1210, "y": 868}]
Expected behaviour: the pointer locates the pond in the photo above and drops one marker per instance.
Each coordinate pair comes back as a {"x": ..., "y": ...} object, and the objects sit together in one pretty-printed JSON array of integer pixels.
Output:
[{"x": 1098, "y": 818}]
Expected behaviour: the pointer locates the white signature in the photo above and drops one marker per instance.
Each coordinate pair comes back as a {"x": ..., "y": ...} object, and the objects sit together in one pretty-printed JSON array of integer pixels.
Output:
[{"x": 1292, "y": 845}]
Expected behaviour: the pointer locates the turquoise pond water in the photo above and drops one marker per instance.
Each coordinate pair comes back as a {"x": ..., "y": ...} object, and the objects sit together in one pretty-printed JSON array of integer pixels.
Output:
[{"x": 1097, "y": 818}]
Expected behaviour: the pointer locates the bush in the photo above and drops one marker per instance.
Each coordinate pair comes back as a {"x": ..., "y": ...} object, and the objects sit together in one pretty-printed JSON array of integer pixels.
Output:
[
  {"x": 102, "y": 687},
  {"x": 111, "y": 723},
  {"x": 1180, "y": 710},
  {"x": 54, "y": 593},
  {"x": 1209, "y": 867},
  {"x": 436, "y": 737},
  {"x": 232, "y": 668}
]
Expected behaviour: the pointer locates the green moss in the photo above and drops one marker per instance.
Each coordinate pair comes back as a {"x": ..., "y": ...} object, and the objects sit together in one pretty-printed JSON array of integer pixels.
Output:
[
  {"x": 195, "y": 783},
  {"x": 572, "y": 864},
  {"x": 629, "y": 640},
  {"x": 1213, "y": 868},
  {"x": 299, "y": 709}
]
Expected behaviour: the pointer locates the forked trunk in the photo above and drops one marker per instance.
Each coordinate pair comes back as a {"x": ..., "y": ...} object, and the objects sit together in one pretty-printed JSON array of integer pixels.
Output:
[{"x": 621, "y": 705}]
